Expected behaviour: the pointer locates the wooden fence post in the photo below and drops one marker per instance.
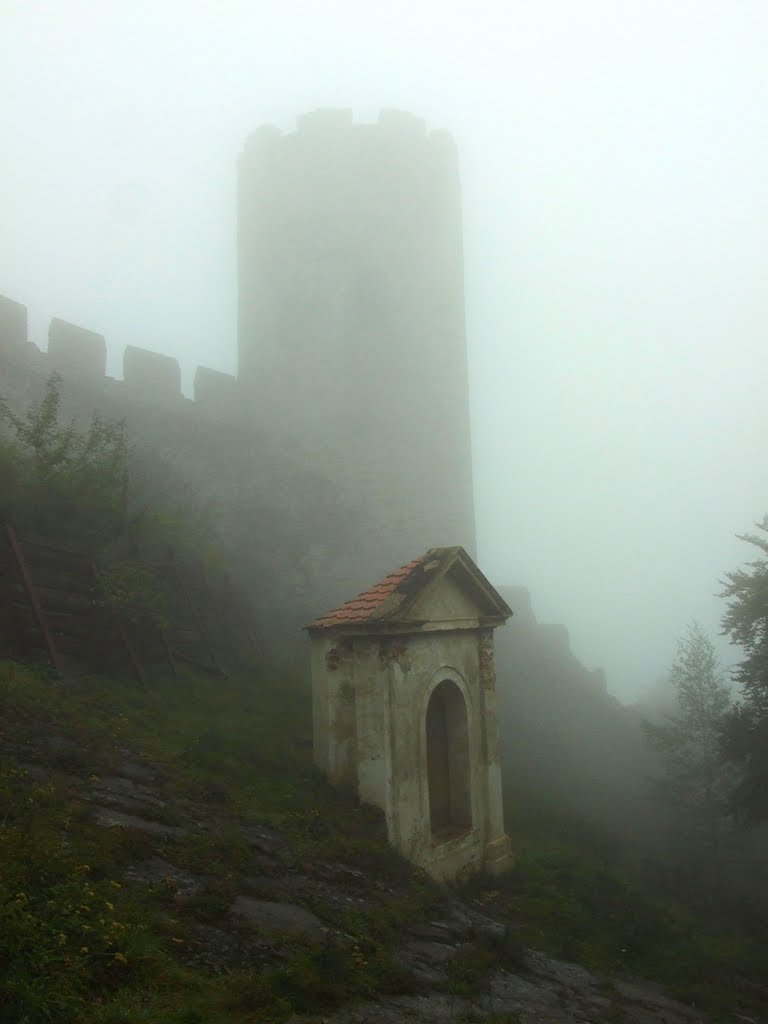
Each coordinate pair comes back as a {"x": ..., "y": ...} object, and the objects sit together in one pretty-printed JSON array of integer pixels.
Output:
[{"x": 37, "y": 611}]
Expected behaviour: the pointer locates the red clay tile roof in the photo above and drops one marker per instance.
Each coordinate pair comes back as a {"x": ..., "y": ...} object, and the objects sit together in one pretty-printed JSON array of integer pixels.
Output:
[
  {"x": 389, "y": 600},
  {"x": 363, "y": 607}
]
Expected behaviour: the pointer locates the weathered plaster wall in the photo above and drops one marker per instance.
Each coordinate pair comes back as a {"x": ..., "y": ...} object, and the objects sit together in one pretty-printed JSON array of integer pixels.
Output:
[
  {"x": 448, "y": 604},
  {"x": 381, "y": 749}
]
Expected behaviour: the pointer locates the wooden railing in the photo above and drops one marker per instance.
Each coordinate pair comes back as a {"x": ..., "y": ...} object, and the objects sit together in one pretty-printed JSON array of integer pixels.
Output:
[{"x": 52, "y": 609}]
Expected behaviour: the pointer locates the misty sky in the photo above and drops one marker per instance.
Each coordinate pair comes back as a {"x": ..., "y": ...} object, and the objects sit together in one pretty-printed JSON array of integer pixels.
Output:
[{"x": 615, "y": 176}]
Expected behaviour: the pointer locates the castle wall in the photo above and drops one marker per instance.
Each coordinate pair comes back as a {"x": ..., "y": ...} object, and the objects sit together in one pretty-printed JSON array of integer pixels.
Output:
[
  {"x": 75, "y": 351},
  {"x": 13, "y": 326}
]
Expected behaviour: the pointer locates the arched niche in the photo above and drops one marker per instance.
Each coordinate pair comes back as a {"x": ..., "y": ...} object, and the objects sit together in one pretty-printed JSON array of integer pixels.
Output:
[{"x": 448, "y": 762}]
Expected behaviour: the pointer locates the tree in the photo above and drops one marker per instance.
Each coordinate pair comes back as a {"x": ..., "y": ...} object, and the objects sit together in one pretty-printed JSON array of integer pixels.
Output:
[
  {"x": 745, "y": 622},
  {"x": 697, "y": 782},
  {"x": 58, "y": 479}
]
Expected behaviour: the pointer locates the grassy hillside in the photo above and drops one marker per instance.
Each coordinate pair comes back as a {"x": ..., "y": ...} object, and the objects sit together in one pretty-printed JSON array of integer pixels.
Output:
[
  {"x": 141, "y": 831},
  {"x": 77, "y": 942}
]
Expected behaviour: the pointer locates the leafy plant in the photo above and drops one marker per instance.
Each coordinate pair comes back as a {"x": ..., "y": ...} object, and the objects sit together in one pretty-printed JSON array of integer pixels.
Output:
[
  {"x": 135, "y": 593},
  {"x": 746, "y": 623},
  {"x": 65, "y": 932},
  {"x": 58, "y": 478}
]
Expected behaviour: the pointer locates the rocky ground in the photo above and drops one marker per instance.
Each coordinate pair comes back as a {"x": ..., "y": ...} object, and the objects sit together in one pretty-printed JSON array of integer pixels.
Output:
[{"x": 461, "y": 962}]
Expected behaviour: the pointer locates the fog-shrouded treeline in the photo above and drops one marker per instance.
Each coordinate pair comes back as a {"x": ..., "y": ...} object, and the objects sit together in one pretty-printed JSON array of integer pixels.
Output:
[{"x": 673, "y": 787}]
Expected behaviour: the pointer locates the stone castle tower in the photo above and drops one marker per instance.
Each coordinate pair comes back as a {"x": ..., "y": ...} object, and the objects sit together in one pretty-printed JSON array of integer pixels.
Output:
[{"x": 352, "y": 337}]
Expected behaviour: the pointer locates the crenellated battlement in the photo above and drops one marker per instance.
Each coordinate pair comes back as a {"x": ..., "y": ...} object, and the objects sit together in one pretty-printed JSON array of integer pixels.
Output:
[
  {"x": 325, "y": 121},
  {"x": 332, "y": 124},
  {"x": 75, "y": 350},
  {"x": 80, "y": 356}
]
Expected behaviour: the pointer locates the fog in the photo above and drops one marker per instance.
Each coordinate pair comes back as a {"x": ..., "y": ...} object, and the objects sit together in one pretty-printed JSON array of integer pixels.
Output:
[{"x": 614, "y": 160}]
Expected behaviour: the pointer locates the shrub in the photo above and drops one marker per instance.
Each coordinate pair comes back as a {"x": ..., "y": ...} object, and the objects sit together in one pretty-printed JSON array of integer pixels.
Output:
[
  {"x": 135, "y": 593},
  {"x": 58, "y": 479},
  {"x": 65, "y": 935}
]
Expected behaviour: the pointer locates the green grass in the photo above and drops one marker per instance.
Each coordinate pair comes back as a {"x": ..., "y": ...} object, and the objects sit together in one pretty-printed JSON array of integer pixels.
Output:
[
  {"x": 79, "y": 945},
  {"x": 581, "y": 910}
]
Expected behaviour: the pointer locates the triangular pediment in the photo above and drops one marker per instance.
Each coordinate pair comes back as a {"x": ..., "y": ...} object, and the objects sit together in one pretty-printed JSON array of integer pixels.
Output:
[
  {"x": 447, "y": 601},
  {"x": 459, "y": 593}
]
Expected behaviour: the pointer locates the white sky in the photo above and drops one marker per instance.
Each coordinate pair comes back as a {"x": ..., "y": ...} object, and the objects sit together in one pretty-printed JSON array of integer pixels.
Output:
[{"x": 615, "y": 174}]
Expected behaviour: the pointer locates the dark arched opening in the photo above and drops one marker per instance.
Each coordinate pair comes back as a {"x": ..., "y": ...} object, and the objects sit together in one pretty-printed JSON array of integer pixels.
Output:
[{"x": 450, "y": 804}]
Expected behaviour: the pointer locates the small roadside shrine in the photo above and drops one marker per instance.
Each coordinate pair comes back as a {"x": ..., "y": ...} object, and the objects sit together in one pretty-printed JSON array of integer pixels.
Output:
[{"x": 404, "y": 710}]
